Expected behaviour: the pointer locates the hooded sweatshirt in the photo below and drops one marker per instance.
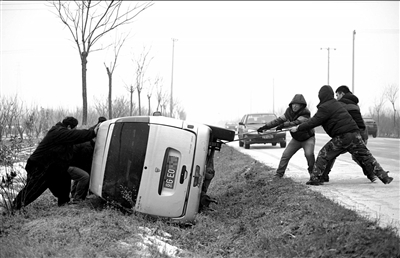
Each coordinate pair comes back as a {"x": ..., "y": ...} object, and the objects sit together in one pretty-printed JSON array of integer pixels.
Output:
[
  {"x": 350, "y": 102},
  {"x": 333, "y": 117},
  {"x": 291, "y": 118}
]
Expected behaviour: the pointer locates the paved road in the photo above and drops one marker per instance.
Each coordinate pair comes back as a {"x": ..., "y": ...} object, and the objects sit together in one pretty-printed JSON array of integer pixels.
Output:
[{"x": 348, "y": 185}]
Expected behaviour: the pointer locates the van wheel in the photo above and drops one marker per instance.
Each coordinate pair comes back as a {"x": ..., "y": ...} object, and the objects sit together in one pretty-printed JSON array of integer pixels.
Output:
[
  {"x": 241, "y": 144},
  {"x": 247, "y": 145},
  {"x": 274, "y": 144},
  {"x": 283, "y": 144},
  {"x": 374, "y": 135}
]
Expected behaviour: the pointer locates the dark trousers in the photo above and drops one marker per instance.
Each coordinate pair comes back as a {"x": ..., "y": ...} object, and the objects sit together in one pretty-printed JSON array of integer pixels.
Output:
[
  {"x": 347, "y": 142},
  {"x": 40, "y": 178},
  {"x": 80, "y": 186}
]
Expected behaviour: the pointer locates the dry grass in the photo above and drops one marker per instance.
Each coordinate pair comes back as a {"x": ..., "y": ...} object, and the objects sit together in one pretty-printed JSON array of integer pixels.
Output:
[{"x": 256, "y": 216}]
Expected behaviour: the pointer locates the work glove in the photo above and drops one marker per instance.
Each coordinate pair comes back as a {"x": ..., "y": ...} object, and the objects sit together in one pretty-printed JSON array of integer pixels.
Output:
[{"x": 279, "y": 127}]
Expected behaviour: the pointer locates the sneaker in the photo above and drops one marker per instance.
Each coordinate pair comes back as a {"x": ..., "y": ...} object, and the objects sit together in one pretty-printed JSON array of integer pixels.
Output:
[
  {"x": 387, "y": 180},
  {"x": 314, "y": 182},
  {"x": 325, "y": 178}
]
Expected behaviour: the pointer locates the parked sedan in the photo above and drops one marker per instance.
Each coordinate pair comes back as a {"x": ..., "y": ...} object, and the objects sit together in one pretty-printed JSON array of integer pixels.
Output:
[
  {"x": 371, "y": 126},
  {"x": 247, "y": 131}
]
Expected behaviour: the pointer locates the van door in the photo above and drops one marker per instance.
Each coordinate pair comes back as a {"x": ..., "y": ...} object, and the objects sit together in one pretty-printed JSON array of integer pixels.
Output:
[{"x": 167, "y": 171}]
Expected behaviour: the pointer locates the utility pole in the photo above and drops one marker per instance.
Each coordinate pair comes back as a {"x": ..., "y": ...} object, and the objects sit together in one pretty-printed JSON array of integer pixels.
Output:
[
  {"x": 354, "y": 39},
  {"x": 172, "y": 77},
  {"x": 328, "y": 59},
  {"x": 273, "y": 95}
]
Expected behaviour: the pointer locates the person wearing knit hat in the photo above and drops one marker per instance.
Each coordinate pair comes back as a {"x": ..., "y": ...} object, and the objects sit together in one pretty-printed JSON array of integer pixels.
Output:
[
  {"x": 345, "y": 134},
  {"x": 47, "y": 166}
]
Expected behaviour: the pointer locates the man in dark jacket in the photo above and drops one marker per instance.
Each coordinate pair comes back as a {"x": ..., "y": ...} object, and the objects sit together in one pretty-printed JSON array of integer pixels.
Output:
[
  {"x": 345, "y": 134},
  {"x": 350, "y": 101},
  {"x": 295, "y": 114},
  {"x": 48, "y": 164}
]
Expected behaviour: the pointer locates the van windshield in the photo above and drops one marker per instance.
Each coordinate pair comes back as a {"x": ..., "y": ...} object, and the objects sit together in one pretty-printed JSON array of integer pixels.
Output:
[{"x": 125, "y": 162}]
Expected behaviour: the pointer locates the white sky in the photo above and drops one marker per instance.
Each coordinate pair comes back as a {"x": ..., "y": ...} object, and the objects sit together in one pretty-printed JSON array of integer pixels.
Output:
[{"x": 231, "y": 58}]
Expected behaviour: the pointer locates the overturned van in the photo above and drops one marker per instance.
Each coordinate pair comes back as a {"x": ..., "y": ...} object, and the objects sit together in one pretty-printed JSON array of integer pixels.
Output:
[{"x": 153, "y": 164}]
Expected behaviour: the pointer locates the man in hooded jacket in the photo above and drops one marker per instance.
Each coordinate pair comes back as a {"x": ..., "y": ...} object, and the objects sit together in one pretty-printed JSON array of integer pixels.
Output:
[
  {"x": 47, "y": 165},
  {"x": 345, "y": 134},
  {"x": 350, "y": 102},
  {"x": 295, "y": 114}
]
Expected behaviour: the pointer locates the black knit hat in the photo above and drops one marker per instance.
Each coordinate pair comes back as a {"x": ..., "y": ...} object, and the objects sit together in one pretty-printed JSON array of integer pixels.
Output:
[
  {"x": 101, "y": 119},
  {"x": 343, "y": 89}
]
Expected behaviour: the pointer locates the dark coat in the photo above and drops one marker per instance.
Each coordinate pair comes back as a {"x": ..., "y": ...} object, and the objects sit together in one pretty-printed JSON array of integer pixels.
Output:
[
  {"x": 291, "y": 118},
  {"x": 57, "y": 145},
  {"x": 350, "y": 102},
  {"x": 333, "y": 117},
  {"x": 83, "y": 156}
]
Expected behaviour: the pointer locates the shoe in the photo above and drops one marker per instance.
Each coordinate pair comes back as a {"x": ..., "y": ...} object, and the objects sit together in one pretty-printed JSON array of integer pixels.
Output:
[
  {"x": 372, "y": 178},
  {"x": 325, "y": 178},
  {"x": 61, "y": 204},
  {"x": 75, "y": 201},
  {"x": 278, "y": 175},
  {"x": 387, "y": 180},
  {"x": 314, "y": 182}
]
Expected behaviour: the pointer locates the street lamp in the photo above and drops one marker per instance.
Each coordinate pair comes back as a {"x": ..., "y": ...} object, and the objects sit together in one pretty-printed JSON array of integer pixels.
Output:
[
  {"x": 172, "y": 76},
  {"x": 328, "y": 59}
]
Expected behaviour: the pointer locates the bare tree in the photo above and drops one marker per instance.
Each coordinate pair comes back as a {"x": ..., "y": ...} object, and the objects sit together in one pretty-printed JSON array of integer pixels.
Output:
[
  {"x": 150, "y": 89},
  {"x": 88, "y": 22},
  {"x": 120, "y": 105},
  {"x": 110, "y": 70},
  {"x": 160, "y": 93},
  {"x": 142, "y": 64},
  {"x": 131, "y": 90},
  {"x": 379, "y": 102},
  {"x": 392, "y": 93}
]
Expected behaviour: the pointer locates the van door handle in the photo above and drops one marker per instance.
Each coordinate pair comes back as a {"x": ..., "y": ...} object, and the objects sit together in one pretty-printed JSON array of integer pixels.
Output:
[{"x": 184, "y": 174}]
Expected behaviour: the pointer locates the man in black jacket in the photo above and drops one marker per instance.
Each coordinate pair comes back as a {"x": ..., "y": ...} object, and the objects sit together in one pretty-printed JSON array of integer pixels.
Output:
[
  {"x": 48, "y": 164},
  {"x": 350, "y": 101},
  {"x": 345, "y": 134},
  {"x": 295, "y": 114}
]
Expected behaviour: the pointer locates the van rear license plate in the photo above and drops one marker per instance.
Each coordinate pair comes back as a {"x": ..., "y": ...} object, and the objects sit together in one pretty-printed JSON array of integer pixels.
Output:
[
  {"x": 172, "y": 166},
  {"x": 268, "y": 136}
]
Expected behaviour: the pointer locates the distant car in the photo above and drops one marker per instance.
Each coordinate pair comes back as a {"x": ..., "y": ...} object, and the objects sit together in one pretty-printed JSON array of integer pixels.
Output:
[
  {"x": 371, "y": 126},
  {"x": 247, "y": 131},
  {"x": 231, "y": 126}
]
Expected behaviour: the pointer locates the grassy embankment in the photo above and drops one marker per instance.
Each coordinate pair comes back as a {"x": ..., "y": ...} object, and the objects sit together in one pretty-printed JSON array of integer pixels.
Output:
[{"x": 256, "y": 216}]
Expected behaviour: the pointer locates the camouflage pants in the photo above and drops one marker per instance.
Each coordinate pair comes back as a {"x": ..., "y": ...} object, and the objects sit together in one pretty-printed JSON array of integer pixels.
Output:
[
  {"x": 348, "y": 142},
  {"x": 364, "y": 136}
]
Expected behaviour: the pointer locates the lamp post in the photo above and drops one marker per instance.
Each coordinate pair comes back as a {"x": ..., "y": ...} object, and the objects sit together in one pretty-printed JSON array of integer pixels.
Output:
[
  {"x": 329, "y": 49},
  {"x": 172, "y": 77}
]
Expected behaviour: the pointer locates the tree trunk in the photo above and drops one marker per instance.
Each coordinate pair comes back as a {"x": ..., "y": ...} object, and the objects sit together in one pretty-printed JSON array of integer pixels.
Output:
[
  {"x": 84, "y": 93},
  {"x": 140, "y": 106},
  {"x": 131, "y": 107},
  {"x": 110, "y": 116},
  {"x": 149, "y": 105}
]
